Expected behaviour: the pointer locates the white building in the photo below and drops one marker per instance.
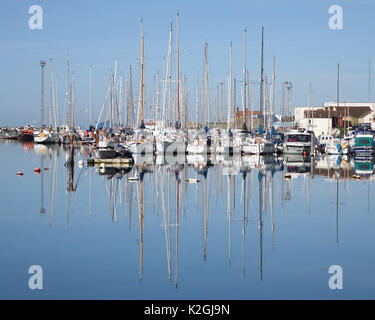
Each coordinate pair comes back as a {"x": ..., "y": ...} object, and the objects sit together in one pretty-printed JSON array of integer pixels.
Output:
[
  {"x": 324, "y": 120},
  {"x": 319, "y": 126}
]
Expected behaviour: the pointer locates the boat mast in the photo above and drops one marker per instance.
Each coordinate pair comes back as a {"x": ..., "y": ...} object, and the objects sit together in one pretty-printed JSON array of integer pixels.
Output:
[
  {"x": 273, "y": 92},
  {"x": 216, "y": 120},
  {"x": 196, "y": 103},
  {"x": 338, "y": 91},
  {"x": 222, "y": 117},
  {"x": 51, "y": 92},
  {"x": 157, "y": 109},
  {"x": 205, "y": 85},
  {"x": 309, "y": 106},
  {"x": 185, "y": 102},
  {"x": 178, "y": 75},
  {"x": 42, "y": 64},
  {"x": 70, "y": 106},
  {"x": 68, "y": 89},
  {"x": 252, "y": 106},
  {"x": 72, "y": 103},
  {"x": 170, "y": 74},
  {"x": 130, "y": 100},
  {"x": 248, "y": 94},
  {"x": 265, "y": 103},
  {"x": 111, "y": 124},
  {"x": 244, "y": 84},
  {"x": 154, "y": 101},
  {"x": 90, "y": 94},
  {"x": 56, "y": 102},
  {"x": 261, "y": 78},
  {"x": 141, "y": 85},
  {"x": 230, "y": 86},
  {"x": 115, "y": 96},
  {"x": 120, "y": 101},
  {"x": 235, "y": 122}
]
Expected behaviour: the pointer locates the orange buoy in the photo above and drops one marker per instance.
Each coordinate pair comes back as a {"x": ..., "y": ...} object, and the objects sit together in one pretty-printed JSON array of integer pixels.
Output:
[
  {"x": 19, "y": 173},
  {"x": 46, "y": 169},
  {"x": 37, "y": 170}
]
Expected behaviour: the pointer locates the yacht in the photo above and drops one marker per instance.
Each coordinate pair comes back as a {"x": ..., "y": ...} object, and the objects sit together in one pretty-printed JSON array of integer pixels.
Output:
[
  {"x": 363, "y": 145},
  {"x": 141, "y": 143},
  {"x": 256, "y": 145},
  {"x": 200, "y": 143},
  {"x": 297, "y": 142},
  {"x": 45, "y": 137}
]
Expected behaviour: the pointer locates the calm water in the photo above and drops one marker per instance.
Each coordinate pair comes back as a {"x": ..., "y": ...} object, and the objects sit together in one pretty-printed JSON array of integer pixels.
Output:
[{"x": 242, "y": 232}]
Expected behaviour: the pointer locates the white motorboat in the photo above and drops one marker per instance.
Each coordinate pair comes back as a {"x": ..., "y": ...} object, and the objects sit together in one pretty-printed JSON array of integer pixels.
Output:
[{"x": 297, "y": 142}]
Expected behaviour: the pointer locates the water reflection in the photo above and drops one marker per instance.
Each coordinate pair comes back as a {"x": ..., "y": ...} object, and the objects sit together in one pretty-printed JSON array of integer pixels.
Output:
[{"x": 246, "y": 189}]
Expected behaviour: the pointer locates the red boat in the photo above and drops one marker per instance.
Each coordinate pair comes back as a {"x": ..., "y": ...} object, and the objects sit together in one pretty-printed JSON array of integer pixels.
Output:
[{"x": 27, "y": 135}]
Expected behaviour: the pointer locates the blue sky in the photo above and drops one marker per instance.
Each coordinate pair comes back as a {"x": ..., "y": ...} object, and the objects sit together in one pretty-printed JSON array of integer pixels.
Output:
[{"x": 98, "y": 32}]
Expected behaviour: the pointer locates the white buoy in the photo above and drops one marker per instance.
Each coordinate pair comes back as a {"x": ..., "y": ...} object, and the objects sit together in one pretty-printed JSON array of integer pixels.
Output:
[
  {"x": 81, "y": 164},
  {"x": 193, "y": 180}
]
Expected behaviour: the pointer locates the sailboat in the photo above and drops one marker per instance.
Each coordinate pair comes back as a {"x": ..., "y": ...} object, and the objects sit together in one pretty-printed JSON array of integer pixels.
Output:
[
  {"x": 226, "y": 143},
  {"x": 171, "y": 140},
  {"x": 46, "y": 136},
  {"x": 143, "y": 140},
  {"x": 200, "y": 140},
  {"x": 258, "y": 145}
]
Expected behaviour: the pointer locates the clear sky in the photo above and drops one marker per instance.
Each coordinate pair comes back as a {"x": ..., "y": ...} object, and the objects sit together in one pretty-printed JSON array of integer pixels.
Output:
[{"x": 98, "y": 32}]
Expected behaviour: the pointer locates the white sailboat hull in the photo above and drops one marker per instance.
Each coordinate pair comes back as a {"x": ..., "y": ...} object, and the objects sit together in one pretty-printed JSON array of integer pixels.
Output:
[
  {"x": 258, "y": 148},
  {"x": 228, "y": 149},
  {"x": 44, "y": 139}
]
